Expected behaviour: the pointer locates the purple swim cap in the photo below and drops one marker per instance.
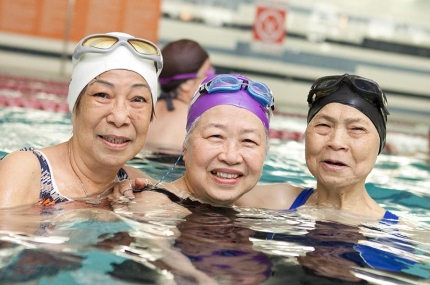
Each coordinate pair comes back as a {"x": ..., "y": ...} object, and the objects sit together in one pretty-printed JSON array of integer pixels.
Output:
[{"x": 202, "y": 101}]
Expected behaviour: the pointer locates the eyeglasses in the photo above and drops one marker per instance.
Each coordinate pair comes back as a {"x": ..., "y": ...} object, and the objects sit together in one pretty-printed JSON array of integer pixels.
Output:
[
  {"x": 226, "y": 83},
  {"x": 207, "y": 73},
  {"x": 101, "y": 43},
  {"x": 366, "y": 88}
]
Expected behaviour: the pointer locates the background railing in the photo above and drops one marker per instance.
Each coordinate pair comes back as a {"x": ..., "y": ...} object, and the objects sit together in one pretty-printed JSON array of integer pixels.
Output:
[{"x": 386, "y": 40}]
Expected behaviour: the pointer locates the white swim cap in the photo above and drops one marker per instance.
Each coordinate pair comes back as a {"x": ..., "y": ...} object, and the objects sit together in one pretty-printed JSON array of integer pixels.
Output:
[{"x": 90, "y": 65}]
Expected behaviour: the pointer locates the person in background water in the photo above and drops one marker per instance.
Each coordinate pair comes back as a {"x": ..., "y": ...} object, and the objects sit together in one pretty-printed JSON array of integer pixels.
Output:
[
  {"x": 346, "y": 131},
  {"x": 111, "y": 96},
  {"x": 186, "y": 64}
]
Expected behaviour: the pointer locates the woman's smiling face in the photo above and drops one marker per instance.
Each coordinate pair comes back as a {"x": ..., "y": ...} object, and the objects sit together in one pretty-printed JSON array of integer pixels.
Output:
[
  {"x": 224, "y": 155},
  {"x": 113, "y": 117}
]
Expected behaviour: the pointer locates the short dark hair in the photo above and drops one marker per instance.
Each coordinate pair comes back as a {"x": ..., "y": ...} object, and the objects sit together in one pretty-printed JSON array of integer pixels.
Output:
[{"x": 181, "y": 57}]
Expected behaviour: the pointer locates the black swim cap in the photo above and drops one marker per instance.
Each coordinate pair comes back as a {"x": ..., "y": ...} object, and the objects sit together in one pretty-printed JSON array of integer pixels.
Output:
[{"x": 344, "y": 95}]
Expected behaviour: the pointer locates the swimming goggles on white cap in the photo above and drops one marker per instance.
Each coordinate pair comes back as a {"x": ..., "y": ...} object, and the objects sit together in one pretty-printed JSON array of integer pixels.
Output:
[{"x": 102, "y": 43}]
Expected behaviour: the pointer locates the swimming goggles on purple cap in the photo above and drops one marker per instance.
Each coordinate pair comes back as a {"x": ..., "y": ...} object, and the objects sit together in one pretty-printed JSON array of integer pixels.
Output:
[{"x": 229, "y": 83}]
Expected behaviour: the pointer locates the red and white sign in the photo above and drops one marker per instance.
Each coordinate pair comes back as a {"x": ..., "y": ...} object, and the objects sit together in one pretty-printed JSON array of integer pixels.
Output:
[{"x": 269, "y": 25}]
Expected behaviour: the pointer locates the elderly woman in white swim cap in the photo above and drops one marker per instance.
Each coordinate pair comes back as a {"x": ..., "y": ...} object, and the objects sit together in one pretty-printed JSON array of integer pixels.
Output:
[{"x": 112, "y": 95}]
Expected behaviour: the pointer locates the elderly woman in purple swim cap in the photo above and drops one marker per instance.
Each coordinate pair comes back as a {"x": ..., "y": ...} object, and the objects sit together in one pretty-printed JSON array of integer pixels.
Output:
[{"x": 226, "y": 143}]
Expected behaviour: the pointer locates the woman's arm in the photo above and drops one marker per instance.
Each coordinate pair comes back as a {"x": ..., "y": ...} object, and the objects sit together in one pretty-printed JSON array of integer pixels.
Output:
[
  {"x": 20, "y": 179},
  {"x": 134, "y": 173},
  {"x": 279, "y": 196}
]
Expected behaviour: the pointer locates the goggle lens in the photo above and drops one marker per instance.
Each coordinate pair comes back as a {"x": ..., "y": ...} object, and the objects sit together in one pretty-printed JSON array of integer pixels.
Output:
[
  {"x": 366, "y": 85},
  {"x": 100, "y": 42},
  {"x": 260, "y": 89},
  {"x": 326, "y": 84},
  {"x": 225, "y": 83},
  {"x": 143, "y": 47}
]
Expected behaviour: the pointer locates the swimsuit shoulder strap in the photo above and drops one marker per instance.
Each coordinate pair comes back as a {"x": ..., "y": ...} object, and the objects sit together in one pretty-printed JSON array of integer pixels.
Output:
[
  {"x": 169, "y": 100},
  {"x": 122, "y": 174},
  {"x": 164, "y": 191},
  {"x": 49, "y": 194},
  {"x": 390, "y": 218},
  {"x": 302, "y": 198}
]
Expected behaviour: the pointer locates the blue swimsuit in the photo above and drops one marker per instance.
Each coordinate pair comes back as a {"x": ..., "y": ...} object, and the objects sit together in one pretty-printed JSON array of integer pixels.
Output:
[
  {"x": 363, "y": 255},
  {"x": 307, "y": 192},
  {"x": 49, "y": 193}
]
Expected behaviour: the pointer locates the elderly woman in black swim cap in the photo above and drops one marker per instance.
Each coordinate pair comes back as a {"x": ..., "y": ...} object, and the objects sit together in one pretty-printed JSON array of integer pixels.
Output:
[{"x": 345, "y": 133}]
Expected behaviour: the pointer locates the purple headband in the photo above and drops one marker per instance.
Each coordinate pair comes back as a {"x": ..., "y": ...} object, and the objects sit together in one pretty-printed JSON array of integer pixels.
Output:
[
  {"x": 183, "y": 76},
  {"x": 240, "y": 99}
]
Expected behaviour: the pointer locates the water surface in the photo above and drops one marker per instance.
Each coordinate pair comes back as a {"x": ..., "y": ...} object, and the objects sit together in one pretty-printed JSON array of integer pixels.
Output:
[{"x": 84, "y": 243}]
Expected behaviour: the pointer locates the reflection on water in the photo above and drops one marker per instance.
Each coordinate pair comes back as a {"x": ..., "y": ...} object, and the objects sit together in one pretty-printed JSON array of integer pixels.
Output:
[
  {"x": 67, "y": 242},
  {"x": 206, "y": 245},
  {"x": 79, "y": 243}
]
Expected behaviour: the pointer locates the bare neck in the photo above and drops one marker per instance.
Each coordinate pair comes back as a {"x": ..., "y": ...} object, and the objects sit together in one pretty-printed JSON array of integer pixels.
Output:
[{"x": 354, "y": 199}]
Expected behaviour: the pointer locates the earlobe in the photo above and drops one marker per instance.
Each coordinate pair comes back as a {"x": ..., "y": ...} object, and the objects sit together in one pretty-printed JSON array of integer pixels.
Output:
[
  {"x": 186, "y": 86},
  {"x": 184, "y": 153}
]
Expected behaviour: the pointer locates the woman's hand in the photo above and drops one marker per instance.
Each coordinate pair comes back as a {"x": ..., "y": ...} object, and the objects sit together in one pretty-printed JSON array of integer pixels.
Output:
[{"x": 123, "y": 190}]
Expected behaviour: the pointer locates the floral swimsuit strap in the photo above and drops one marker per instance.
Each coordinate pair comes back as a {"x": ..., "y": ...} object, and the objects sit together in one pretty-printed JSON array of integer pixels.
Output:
[{"x": 49, "y": 195}]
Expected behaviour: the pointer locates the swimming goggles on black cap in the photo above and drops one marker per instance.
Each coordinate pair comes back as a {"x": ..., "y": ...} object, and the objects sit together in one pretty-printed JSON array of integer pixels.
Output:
[
  {"x": 365, "y": 88},
  {"x": 102, "y": 43}
]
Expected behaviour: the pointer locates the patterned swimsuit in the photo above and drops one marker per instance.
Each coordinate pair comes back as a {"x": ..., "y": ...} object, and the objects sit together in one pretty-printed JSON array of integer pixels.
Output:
[{"x": 49, "y": 194}]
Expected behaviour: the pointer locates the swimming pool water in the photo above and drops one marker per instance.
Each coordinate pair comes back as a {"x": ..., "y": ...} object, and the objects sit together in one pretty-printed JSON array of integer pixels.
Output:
[{"x": 79, "y": 243}]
